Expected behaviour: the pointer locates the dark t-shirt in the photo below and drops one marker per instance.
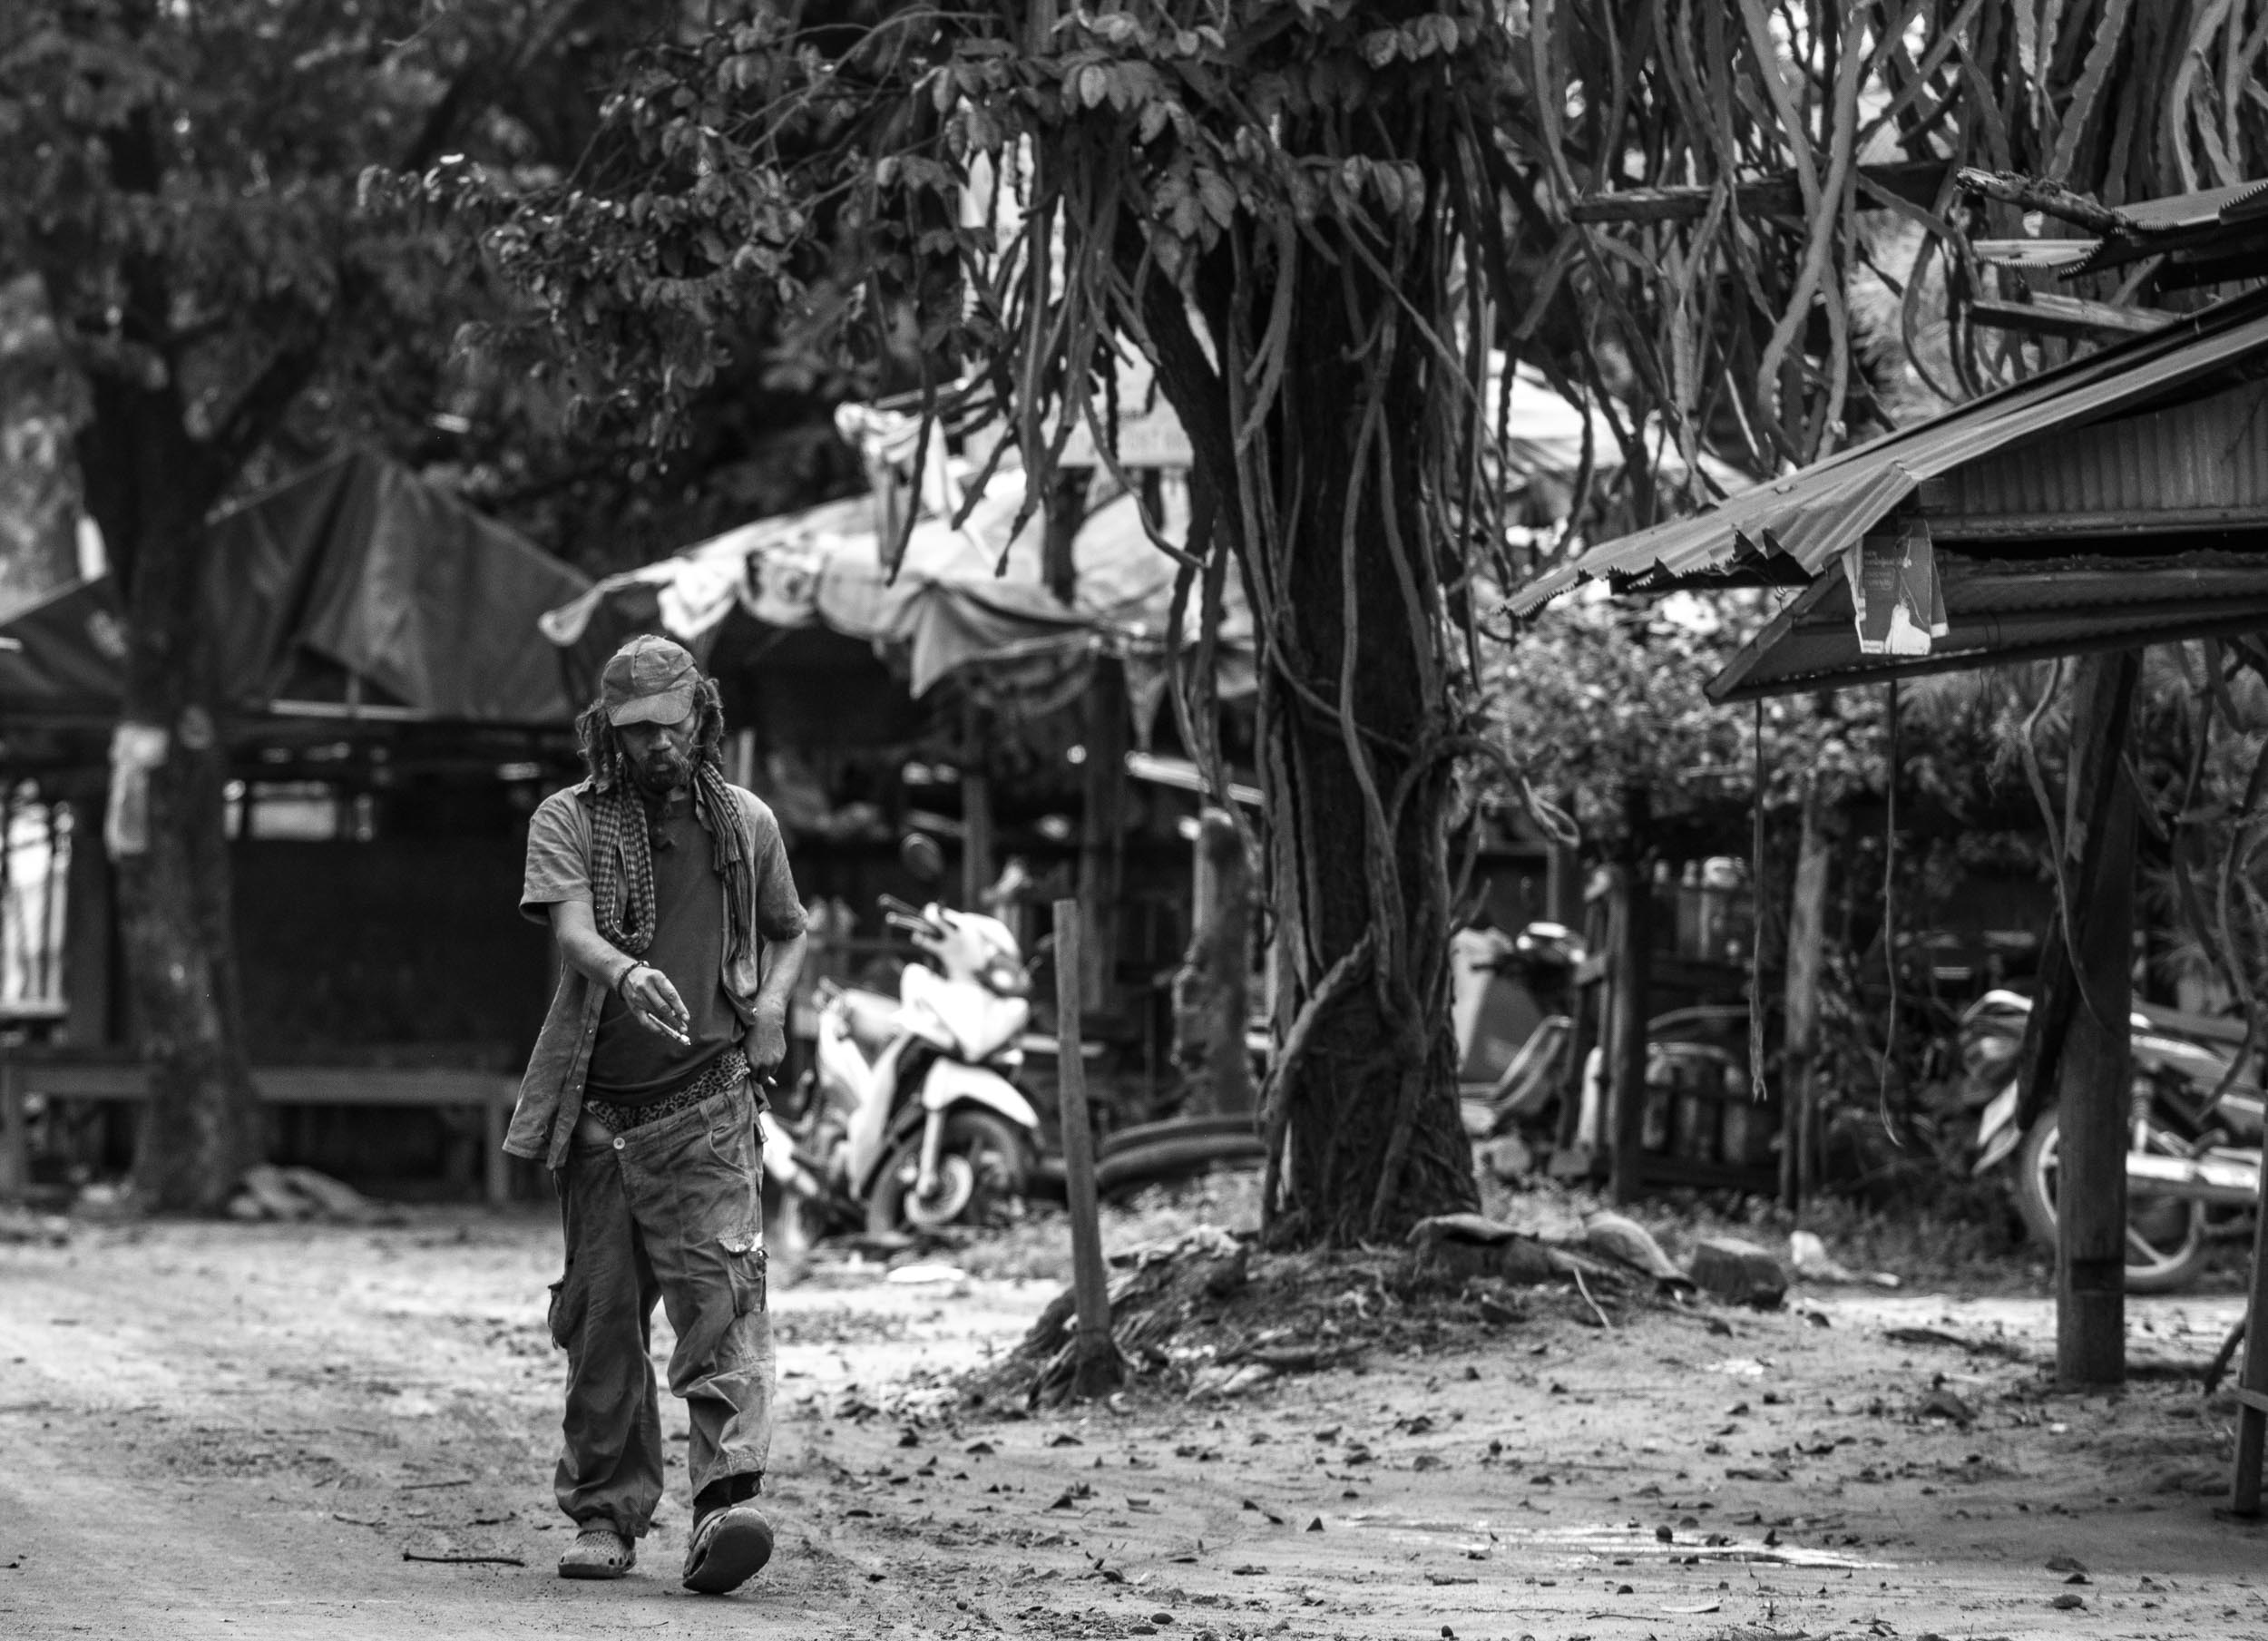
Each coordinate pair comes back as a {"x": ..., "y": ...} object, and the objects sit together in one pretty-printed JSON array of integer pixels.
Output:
[{"x": 631, "y": 1062}]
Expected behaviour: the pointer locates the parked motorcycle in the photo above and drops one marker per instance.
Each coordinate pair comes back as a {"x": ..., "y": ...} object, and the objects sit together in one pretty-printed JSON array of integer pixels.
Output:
[
  {"x": 908, "y": 1117},
  {"x": 2192, "y": 1161}
]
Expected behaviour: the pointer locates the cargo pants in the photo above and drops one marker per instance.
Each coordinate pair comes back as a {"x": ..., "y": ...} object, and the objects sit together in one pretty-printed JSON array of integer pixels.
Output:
[{"x": 671, "y": 1211}]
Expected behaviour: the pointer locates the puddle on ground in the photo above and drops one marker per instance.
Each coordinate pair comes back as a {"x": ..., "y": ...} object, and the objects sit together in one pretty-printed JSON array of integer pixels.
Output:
[{"x": 1602, "y": 1538}]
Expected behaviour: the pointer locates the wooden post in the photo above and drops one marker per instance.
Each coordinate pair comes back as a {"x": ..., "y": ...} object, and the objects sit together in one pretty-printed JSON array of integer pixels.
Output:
[
  {"x": 1211, "y": 990},
  {"x": 977, "y": 870},
  {"x": 495, "y": 1123},
  {"x": 16, "y": 1151},
  {"x": 1101, "y": 828},
  {"x": 1563, "y": 885},
  {"x": 1807, "y": 945},
  {"x": 1633, "y": 959},
  {"x": 2094, "y": 1072},
  {"x": 2252, "y": 1384},
  {"x": 1095, "y": 1367}
]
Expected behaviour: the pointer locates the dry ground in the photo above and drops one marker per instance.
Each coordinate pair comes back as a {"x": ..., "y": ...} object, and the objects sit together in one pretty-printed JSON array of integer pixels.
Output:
[{"x": 210, "y": 1430}]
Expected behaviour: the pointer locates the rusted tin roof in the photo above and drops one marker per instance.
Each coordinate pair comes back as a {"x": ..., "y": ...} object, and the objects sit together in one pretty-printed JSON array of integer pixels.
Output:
[{"x": 1792, "y": 528}]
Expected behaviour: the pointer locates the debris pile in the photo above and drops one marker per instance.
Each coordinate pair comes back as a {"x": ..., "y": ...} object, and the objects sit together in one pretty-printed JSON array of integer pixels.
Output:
[
  {"x": 1154, "y": 1293},
  {"x": 21, "y": 1227},
  {"x": 268, "y": 1193}
]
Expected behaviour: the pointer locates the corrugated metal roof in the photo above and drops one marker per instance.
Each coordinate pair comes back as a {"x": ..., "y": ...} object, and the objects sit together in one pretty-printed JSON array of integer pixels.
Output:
[
  {"x": 1813, "y": 516},
  {"x": 2213, "y": 223},
  {"x": 2000, "y": 611},
  {"x": 2176, "y": 212},
  {"x": 2205, "y": 457}
]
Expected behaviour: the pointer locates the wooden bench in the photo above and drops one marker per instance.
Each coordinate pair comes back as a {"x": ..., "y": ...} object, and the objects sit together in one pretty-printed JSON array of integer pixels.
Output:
[{"x": 491, "y": 1093}]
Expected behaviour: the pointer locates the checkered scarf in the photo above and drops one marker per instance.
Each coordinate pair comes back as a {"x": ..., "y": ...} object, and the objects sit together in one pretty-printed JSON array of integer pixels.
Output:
[{"x": 621, "y": 862}]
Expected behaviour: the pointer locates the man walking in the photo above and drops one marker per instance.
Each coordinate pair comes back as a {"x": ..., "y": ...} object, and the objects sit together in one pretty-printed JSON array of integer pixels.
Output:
[{"x": 679, "y": 935}]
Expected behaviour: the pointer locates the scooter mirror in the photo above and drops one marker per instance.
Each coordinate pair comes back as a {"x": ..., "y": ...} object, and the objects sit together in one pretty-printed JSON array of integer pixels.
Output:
[{"x": 918, "y": 852}]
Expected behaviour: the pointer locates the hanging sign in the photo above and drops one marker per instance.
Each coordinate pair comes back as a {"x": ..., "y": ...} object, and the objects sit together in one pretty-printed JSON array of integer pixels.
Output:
[{"x": 1897, "y": 602}]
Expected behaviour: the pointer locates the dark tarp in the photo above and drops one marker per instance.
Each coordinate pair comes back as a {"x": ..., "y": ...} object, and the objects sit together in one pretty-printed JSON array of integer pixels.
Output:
[
  {"x": 63, "y": 656},
  {"x": 357, "y": 564}
]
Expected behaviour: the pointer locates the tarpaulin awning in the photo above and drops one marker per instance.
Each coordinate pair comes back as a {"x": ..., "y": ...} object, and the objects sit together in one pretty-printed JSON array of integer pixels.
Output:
[
  {"x": 972, "y": 594},
  {"x": 68, "y": 655},
  {"x": 1791, "y": 527},
  {"x": 357, "y": 564}
]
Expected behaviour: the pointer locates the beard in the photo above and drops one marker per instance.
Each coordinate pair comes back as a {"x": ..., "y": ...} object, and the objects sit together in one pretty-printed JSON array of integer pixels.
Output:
[{"x": 660, "y": 774}]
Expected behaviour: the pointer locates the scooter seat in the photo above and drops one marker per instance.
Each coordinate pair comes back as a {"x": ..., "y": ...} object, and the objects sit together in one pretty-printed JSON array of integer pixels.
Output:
[{"x": 872, "y": 1019}]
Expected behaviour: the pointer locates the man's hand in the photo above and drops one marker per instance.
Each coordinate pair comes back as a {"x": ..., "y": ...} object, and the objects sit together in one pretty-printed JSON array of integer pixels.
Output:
[
  {"x": 765, "y": 1044},
  {"x": 655, "y": 1002}
]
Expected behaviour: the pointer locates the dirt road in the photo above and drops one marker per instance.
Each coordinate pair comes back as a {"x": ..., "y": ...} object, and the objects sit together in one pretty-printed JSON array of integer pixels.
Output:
[{"x": 210, "y": 1431}]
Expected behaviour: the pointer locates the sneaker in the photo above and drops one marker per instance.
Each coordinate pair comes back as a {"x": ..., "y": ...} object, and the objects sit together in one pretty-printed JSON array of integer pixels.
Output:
[
  {"x": 598, "y": 1552},
  {"x": 730, "y": 1548}
]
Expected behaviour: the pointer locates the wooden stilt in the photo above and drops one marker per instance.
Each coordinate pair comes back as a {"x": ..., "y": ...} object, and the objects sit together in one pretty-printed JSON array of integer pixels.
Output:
[
  {"x": 1096, "y": 1368},
  {"x": 2252, "y": 1384},
  {"x": 2095, "y": 1071}
]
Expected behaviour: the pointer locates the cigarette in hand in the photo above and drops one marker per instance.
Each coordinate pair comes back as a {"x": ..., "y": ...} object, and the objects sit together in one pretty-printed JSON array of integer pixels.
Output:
[{"x": 666, "y": 1029}]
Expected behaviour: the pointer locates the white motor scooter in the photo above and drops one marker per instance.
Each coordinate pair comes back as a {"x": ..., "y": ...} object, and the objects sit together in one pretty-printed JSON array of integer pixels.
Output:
[{"x": 908, "y": 1113}]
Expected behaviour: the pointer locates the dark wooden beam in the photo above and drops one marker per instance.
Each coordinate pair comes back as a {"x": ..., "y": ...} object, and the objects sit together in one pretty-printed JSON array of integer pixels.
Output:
[
  {"x": 1630, "y": 986},
  {"x": 2068, "y": 317},
  {"x": 1914, "y": 180},
  {"x": 2031, "y": 193},
  {"x": 2095, "y": 1068}
]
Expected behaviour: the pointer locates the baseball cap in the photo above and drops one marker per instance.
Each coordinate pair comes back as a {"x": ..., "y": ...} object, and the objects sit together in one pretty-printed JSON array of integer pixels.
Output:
[{"x": 648, "y": 680}]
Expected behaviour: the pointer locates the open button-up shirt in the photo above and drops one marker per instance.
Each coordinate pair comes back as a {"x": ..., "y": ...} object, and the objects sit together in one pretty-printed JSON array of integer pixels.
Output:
[{"x": 559, "y": 869}]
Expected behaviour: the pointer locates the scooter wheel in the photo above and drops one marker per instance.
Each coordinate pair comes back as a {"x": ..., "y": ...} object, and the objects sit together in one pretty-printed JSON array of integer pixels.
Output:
[
  {"x": 983, "y": 1170},
  {"x": 2166, "y": 1245}
]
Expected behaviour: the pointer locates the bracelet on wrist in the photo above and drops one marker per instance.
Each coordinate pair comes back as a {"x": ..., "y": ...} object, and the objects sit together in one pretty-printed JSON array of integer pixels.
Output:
[{"x": 622, "y": 979}]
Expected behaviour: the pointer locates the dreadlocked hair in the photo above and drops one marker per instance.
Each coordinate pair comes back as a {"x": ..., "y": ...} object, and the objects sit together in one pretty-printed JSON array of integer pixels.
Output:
[{"x": 601, "y": 748}]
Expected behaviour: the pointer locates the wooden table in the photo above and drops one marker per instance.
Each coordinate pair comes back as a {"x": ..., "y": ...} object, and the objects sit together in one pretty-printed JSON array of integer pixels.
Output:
[{"x": 492, "y": 1093}]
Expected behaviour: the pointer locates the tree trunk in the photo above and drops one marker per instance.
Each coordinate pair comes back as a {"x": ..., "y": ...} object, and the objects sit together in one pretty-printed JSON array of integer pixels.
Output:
[
  {"x": 1376, "y": 1079},
  {"x": 150, "y": 485},
  {"x": 1358, "y": 824},
  {"x": 1316, "y": 411}
]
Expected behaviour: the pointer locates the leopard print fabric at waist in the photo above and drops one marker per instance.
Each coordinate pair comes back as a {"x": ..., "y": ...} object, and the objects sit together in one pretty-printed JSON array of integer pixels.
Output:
[{"x": 715, "y": 1078}]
